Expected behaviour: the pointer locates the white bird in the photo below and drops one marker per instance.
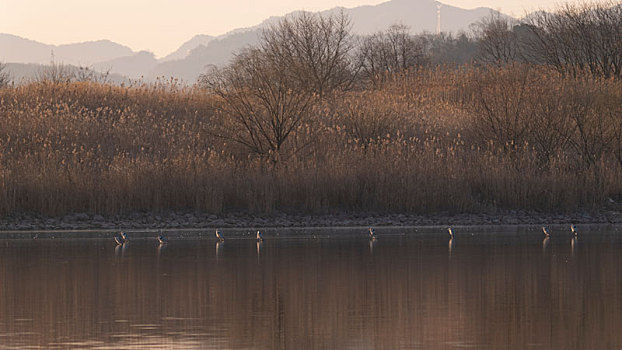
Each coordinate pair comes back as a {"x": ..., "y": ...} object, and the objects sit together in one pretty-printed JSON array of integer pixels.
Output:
[
  {"x": 546, "y": 232},
  {"x": 259, "y": 236},
  {"x": 574, "y": 230},
  {"x": 219, "y": 236},
  {"x": 372, "y": 233},
  {"x": 451, "y": 233}
]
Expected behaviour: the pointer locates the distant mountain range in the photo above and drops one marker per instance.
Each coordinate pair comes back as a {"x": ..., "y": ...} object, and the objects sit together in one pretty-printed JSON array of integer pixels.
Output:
[
  {"x": 190, "y": 60},
  {"x": 19, "y": 50}
]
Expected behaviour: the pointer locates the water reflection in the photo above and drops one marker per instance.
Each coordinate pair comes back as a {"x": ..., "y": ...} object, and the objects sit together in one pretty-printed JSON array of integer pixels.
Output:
[
  {"x": 160, "y": 249},
  {"x": 372, "y": 245},
  {"x": 545, "y": 243},
  {"x": 119, "y": 250},
  {"x": 259, "y": 245},
  {"x": 450, "y": 245},
  {"x": 325, "y": 294},
  {"x": 219, "y": 245}
]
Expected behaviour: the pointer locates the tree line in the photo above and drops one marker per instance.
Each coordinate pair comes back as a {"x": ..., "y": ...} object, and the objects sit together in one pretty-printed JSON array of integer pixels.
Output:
[{"x": 270, "y": 90}]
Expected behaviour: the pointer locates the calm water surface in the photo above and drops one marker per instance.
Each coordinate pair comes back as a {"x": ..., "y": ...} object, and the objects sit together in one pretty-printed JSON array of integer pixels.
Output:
[{"x": 505, "y": 291}]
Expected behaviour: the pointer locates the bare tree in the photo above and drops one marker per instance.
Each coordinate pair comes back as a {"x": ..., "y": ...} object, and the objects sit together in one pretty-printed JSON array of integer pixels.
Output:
[
  {"x": 392, "y": 51},
  {"x": 314, "y": 48},
  {"x": 268, "y": 92},
  {"x": 264, "y": 102},
  {"x": 498, "y": 43},
  {"x": 577, "y": 38}
]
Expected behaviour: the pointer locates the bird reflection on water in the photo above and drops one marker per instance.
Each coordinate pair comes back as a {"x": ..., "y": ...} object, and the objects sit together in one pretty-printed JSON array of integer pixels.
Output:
[
  {"x": 219, "y": 245},
  {"x": 450, "y": 246},
  {"x": 120, "y": 250},
  {"x": 259, "y": 245},
  {"x": 545, "y": 244},
  {"x": 372, "y": 245}
]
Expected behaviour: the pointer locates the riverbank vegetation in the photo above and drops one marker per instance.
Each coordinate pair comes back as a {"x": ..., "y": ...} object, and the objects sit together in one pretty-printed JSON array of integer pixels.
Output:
[{"x": 316, "y": 121}]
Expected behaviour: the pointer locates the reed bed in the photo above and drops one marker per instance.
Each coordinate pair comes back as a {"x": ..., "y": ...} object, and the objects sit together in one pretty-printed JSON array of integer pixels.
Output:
[{"x": 433, "y": 140}]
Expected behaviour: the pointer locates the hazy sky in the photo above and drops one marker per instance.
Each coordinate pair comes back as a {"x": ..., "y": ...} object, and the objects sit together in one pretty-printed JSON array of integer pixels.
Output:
[{"x": 161, "y": 26}]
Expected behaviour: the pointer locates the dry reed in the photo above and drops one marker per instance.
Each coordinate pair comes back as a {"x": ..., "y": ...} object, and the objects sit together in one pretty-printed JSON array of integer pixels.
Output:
[{"x": 435, "y": 140}]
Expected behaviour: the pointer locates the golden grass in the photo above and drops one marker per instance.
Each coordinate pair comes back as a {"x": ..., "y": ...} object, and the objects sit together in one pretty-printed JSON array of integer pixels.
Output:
[{"x": 435, "y": 140}]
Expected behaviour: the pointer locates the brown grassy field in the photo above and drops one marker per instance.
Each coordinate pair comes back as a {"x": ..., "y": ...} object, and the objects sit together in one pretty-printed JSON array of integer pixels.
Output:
[{"x": 434, "y": 140}]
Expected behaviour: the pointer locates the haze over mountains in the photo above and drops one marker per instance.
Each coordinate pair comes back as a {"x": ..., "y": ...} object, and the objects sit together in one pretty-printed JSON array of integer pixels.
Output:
[{"x": 190, "y": 60}]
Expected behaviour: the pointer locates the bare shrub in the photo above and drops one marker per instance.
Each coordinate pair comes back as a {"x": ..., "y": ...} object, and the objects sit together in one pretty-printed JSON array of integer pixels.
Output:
[
  {"x": 85, "y": 73},
  {"x": 55, "y": 73},
  {"x": 500, "y": 104},
  {"x": 372, "y": 117}
]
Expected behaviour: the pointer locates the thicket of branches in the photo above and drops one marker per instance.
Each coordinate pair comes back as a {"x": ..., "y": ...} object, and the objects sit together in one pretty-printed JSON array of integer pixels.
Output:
[{"x": 573, "y": 39}]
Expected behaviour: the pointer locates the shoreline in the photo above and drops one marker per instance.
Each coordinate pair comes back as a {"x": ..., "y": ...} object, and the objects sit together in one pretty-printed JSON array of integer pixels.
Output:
[{"x": 194, "y": 220}]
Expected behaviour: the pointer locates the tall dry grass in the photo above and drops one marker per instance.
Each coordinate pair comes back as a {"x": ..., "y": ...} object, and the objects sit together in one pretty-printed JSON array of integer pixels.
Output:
[{"x": 435, "y": 140}]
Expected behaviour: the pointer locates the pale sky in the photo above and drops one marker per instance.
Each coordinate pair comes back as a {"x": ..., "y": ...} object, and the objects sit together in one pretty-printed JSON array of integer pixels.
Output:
[{"x": 161, "y": 26}]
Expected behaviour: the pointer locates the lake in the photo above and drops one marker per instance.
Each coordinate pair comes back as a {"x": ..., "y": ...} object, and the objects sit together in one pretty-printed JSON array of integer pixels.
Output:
[{"x": 410, "y": 289}]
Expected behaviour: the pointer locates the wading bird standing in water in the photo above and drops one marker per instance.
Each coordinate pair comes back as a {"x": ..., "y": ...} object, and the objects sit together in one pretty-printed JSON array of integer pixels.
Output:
[
  {"x": 162, "y": 239},
  {"x": 450, "y": 245},
  {"x": 372, "y": 234},
  {"x": 219, "y": 236},
  {"x": 121, "y": 238},
  {"x": 574, "y": 230},
  {"x": 547, "y": 237},
  {"x": 259, "y": 236}
]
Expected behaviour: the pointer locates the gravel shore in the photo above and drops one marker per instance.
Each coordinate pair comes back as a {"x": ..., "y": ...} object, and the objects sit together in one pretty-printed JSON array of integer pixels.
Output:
[{"x": 193, "y": 220}]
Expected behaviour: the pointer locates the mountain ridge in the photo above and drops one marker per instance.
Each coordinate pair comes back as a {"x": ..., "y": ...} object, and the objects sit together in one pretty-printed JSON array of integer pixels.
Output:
[{"x": 192, "y": 56}]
